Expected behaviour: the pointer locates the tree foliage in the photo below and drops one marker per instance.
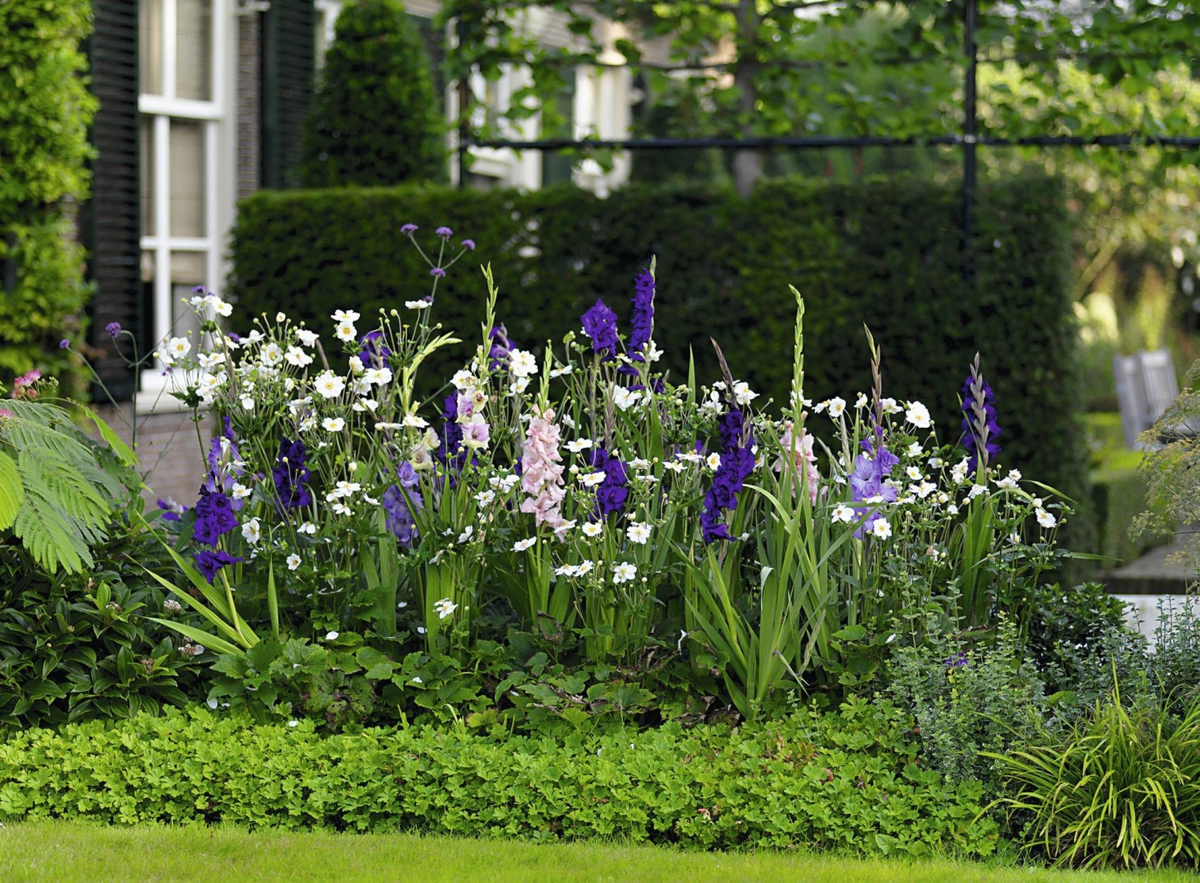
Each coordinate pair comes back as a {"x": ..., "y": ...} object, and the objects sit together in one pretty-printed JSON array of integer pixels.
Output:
[{"x": 375, "y": 119}]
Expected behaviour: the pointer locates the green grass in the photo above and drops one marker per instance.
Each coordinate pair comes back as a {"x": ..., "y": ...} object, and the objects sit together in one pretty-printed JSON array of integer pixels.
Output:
[{"x": 70, "y": 852}]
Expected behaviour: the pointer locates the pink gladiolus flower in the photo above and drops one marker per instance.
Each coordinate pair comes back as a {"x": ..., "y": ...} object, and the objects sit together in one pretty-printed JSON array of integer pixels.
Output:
[
  {"x": 542, "y": 470},
  {"x": 802, "y": 458}
]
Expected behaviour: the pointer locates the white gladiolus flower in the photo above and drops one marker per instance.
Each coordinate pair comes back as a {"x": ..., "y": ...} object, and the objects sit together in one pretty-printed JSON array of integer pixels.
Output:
[{"x": 522, "y": 363}]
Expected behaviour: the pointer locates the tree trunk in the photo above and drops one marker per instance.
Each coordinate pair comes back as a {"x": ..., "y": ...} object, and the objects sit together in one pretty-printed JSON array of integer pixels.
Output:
[{"x": 747, "y": 163}]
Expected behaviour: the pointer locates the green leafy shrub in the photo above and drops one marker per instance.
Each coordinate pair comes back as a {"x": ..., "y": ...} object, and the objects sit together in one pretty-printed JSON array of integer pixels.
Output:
[
  {"x": 725, "y": 265},
  {"x": 375, "y": 118},
  {"x": 844, "y": 781},
  {"x": 74, "y": 647},
  {"x": 1067, "y": 631},
  {"x": 968, "y": 701},
  {"x": 45, "y": 112},
  {"x": 1121, "y": 789}
]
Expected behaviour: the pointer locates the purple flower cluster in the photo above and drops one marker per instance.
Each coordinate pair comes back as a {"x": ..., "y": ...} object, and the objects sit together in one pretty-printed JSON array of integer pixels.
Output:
[
  {"x": 291, "y": 475},
  {"x": 501, "y": 347},
  {"x": 450, "y": 451},
  {"x": 113, "y": 329},
  {"x": 643, "y": 313},
  {"x": 600, "y": 324},
  {"x": 223, "y": 454},
  {"x": 171, "y": 510},
  {"x": 208, "y": 563},
  {"x": 737, "y": 462},
  {"x": 375, "y": 352},
  {"x": 214, "y": 517},
  {"x": 867, "y": 482},
  {"x": 979, "y": 421},
  {"x": 398, "y": 505},
  {"x": 612, "y": 493}
]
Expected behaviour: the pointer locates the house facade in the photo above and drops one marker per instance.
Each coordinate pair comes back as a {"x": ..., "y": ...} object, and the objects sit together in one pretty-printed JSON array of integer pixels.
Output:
[{"x": 203, "y": 102}]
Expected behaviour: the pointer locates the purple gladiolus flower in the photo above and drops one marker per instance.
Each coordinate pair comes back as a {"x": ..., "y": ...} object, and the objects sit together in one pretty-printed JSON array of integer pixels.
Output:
[
  {"x": 222, "y": 454},
  {"x": 171, "y": 510},
  {"x": 643, "y": 313},
  {"x": 113, "y": 328},
  {"x": 443, "y": 232},
  {"x": 501, "y": 347},
  {"x": 375, "y": 352},
  {"x": 214, "y": 517},
  {"x": 408, "y": 229},
  {"x": 209, "y": 563},
  {"x": 291, "y": 475},
  {"x": 399, "y": 504},
  {"x": 979, "y": 423},
  {"x": 613, "y": 492},
  {"x": 867, "y": 485},
  {"x": 737, "y": 463},
  {"x": 600, "y": 324}
]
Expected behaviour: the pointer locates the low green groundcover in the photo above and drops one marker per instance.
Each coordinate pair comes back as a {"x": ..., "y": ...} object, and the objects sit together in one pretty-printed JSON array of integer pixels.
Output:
[
  {"x": 73, "y": 852},
  {"x": 847, "y": 781}
]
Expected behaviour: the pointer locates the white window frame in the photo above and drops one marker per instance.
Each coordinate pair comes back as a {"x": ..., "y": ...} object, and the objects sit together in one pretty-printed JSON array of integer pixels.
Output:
[{"x": 217, "y": 118}]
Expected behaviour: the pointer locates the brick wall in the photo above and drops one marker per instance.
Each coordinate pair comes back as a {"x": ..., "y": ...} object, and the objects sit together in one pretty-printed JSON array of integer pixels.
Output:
[{"x": 167, "y": 447}]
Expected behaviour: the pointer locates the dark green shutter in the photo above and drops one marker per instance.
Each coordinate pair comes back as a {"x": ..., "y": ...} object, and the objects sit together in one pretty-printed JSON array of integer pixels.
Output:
[
  {"x": 288, "y": 33},
  {"x": 109, "y": 223}
]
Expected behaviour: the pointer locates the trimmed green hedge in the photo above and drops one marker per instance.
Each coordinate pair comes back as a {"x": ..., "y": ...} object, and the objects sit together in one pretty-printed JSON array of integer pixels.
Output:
[
  {"x": 882, "y": 252},
  {"x": 846, "y": 781},
  {"x": 45, "y": 111}
]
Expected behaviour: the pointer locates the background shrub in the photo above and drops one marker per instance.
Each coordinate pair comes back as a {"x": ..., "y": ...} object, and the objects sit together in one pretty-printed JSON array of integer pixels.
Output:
[
  {"x": 375, "y": 117},
  {"x": 844, "y": 781},
  {"x": 45, "y": 112},
  {"x": 886, "y": 253}
]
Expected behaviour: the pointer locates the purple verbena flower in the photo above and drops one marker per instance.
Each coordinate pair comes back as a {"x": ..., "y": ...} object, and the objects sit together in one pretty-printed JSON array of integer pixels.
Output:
[
  {"x": 64, "y": 344},
  {"x": 468, "y": 244},
  {"x": 113, "y": 328},
  {"x": 443, "y": 232},
  {"x": 408, "y": 229},
  {"x": 438, "y": 272}
]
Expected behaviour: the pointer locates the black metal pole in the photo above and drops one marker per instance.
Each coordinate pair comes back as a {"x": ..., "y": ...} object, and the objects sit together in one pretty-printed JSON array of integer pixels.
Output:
[{"x": 969, "y": 141}]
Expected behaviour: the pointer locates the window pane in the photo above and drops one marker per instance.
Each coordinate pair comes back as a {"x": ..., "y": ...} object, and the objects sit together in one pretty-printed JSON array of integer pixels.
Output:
[
  {"x": 187, "y": 271},
  {"x": 146, "y": 174},
  {"x": 193, "y": 49},
  {"x": 150, "y": 46},
  {"x": 187, "y": 178}
]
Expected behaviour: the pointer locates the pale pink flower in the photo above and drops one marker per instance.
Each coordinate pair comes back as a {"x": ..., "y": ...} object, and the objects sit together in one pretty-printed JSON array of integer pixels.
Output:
[
  {"x": 542, "y": 470},
  {"x": 802, "y": 458}
]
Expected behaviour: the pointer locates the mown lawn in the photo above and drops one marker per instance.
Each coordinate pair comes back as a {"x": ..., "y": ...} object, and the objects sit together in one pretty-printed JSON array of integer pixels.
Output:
[{"x": 85, "y": 853}]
